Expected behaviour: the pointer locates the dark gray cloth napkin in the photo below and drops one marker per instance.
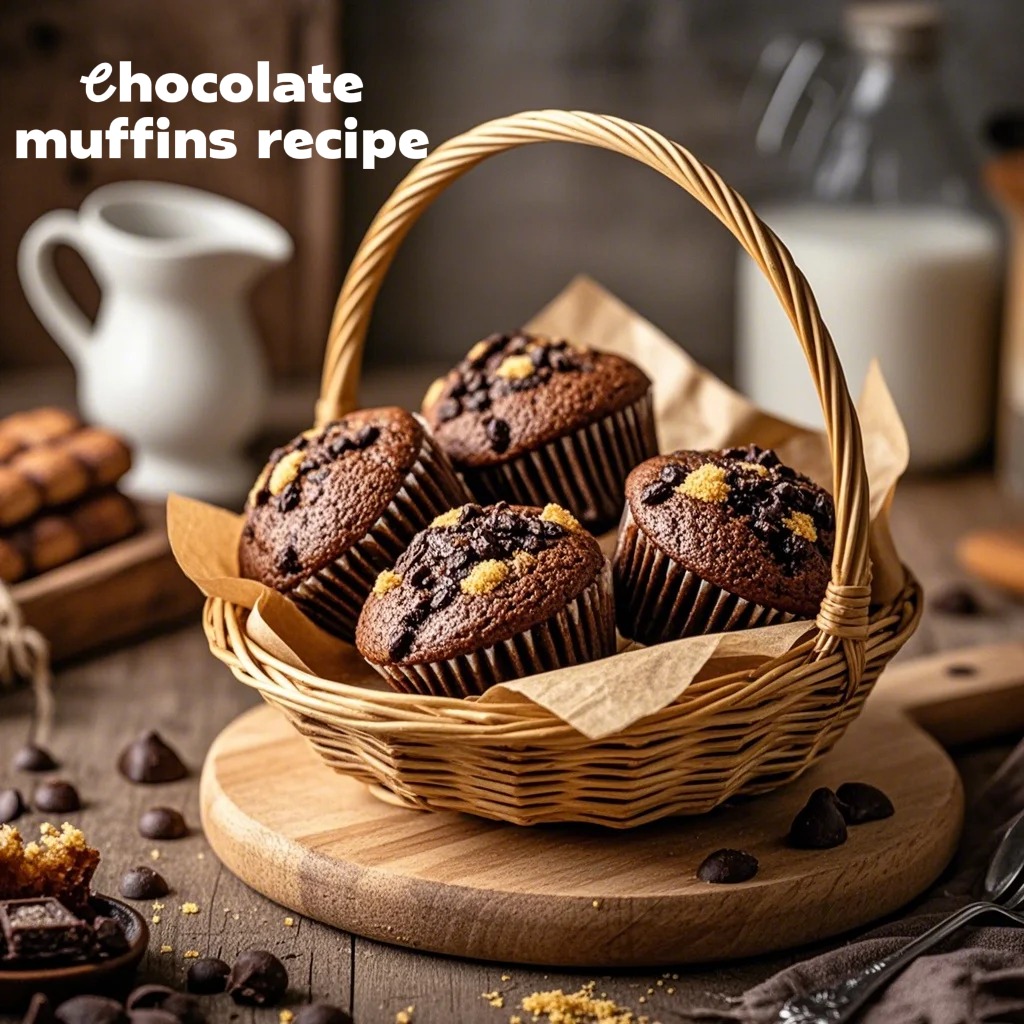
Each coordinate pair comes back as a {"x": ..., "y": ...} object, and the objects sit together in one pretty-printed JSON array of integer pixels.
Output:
[{"x": 979, "y": 977}]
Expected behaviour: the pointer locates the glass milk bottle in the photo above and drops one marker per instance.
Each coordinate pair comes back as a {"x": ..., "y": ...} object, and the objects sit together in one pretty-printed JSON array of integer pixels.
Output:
[{"x": 894, "y": 241}]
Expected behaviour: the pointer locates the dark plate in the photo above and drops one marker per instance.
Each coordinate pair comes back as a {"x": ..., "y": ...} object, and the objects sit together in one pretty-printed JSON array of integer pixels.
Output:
[{"x": 18, "y": 987}]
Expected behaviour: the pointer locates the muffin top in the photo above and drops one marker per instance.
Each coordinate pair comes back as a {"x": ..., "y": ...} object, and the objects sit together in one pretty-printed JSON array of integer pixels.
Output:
[
  {"x": 476, "y": 577},
  {"x": 741, "y": 520},
  {"x": 515, "y": 392},
  {"x": 323, "y": 491}
]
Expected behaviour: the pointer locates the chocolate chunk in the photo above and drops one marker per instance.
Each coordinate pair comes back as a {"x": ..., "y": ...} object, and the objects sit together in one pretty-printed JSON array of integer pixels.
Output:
[
  {"x": 322, "y": 1013},
  {"x": 956, "y": 600},
  {"x": 486, "y": 545},
  {"x": 820, "y": 824},
  {"x": 57, "y": 796},
  {"x": 43, "y": 929},
  {"x": 341, "y": 445},
  {"x": 402, "y": 644},
  {"x": 860, "y": 802},
  {"x": 474, "y": 382},
  {"x": 31, "y": 758},
  {"x": 110, "y": 936},
  {"x": 727, "y": 867},
  {"x": 673, "y": 474},
  {"x": 207, "y": 976},
  {"x": 289, "y": 498},
  {"x": 40, "y": 1011},
  {"x": 289, "y": 563},
  {"x": 420, "y": 576},
  {"x": 142, "y": 883},
  {"x": 444, "y": 595},
  {"x": 499, "y": 434},
  {"x": 478, "y": 401},
  {"x": 162, "y": 823},
  {"x": 448, "y": 410},
  {"x": 12, "y": 805},
  {"x": 91, "y": 1010},
  {"x": 148, "y": 997},
  {"x": 149, "y": 759},
  {"x": 656, "y": 493},
  {"x": 257, "y": 978},
  {"x": 367, "y": 435}
]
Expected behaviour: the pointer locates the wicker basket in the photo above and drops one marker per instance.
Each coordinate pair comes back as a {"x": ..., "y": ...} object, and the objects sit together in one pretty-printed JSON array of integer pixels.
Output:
[{"x": 747, "y": 732}]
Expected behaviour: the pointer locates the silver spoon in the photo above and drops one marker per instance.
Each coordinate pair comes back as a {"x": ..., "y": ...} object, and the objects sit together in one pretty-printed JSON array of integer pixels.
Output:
[{"x": 1003, "y": 892}]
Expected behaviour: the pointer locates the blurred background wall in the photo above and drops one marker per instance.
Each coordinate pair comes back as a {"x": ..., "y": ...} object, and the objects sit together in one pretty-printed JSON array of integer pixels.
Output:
[{"x": 508, "y": 237}]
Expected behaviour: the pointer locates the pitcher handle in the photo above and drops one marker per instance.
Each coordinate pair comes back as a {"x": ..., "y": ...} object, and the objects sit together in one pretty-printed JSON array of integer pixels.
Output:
[{"x": 57, "y": 311}]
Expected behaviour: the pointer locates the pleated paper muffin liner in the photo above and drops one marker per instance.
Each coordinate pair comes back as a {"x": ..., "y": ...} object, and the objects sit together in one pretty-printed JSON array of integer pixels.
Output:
[
  {"x": 334, "y": 596},
  {"x": 657, "y": 599},
  {"x": 584, "y": 472},
  {"x": 584, "y": 630}
]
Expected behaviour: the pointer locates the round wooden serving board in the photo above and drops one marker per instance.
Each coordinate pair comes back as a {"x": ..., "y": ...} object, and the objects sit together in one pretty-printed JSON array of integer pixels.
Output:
[{"x": 321, "y": 844}]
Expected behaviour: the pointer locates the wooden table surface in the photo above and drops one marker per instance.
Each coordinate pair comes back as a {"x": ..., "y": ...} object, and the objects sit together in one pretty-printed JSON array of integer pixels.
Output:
[{"x": 170, "y": 683}]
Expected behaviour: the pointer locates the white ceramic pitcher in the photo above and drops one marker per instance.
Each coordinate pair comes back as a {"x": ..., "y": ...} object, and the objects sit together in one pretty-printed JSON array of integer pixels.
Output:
[{"x": 173, "y": 360}]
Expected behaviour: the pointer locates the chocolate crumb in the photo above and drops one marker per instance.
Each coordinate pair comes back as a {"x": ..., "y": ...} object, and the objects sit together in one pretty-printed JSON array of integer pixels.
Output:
[
  {"x": 860, "y": 802},
  {"x": 57, "y": 796},
  {"x": 142, "y": 883},
  {"x": 727, "y": 867},
  {"x": 819, "y": 825},
  {"x": 32, "y": 758}
]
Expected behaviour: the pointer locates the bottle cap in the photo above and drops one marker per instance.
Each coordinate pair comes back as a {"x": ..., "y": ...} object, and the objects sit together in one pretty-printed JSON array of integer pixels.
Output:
[{"x": 901, "y": 29}]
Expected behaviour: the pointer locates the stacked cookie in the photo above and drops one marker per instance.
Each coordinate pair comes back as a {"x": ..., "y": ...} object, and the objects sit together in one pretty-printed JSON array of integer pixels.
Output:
[
  {"x": 458, "y": 551},
  {"x": 58, "y": 496}
]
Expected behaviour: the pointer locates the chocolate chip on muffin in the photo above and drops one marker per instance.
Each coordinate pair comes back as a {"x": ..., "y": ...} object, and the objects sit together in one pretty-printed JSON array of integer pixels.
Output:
[
  {"x": 487, "y": 594},
  {"x": 335, "y": 506},
  {"x": 531, "y": 419},
  {"x": 720, "y": 540}
]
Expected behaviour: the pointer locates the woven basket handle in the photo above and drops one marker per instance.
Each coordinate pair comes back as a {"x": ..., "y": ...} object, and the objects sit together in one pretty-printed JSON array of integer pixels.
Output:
[{"x": 843, "y": 619}]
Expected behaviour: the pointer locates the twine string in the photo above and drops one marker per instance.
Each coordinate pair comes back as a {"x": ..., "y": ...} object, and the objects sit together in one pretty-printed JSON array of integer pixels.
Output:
[{"x": 25, "y": 656}]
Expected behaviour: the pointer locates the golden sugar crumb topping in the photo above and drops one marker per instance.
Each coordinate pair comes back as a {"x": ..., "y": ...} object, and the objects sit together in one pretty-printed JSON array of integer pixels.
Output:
[
  {"x": 752, "y": 467},
  {"x": 434, "y": 393},
  {"x": 386, "y": 581},
  {"x": 261, "y": 482},
  {"x": 556, "y": 514},
  {"x": 802, "y": 525},
  {"x": 523, "y": 562},
  {"x": 285, "y": 471},
  {"x": 480, "y": 350},
  {"x": 449, "y": 518},
  {"x": 705, "y": 483},
  {"x": 515, "y": 368},
  {"x": 484, "y": 577}
]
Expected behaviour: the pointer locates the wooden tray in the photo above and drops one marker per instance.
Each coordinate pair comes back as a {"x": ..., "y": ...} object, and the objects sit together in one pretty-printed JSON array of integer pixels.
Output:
[
  {"x": 323, "y": 845},
  {"x": 110, "y": 595}
]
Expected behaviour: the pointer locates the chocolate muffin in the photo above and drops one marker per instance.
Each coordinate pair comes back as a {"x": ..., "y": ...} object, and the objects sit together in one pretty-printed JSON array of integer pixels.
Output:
[
  {"x": 717, "y": 541},
  {"x": 335, "y": 506},
  {"x": 530, "y": 419},
  {"x": 486, "y": 595}
]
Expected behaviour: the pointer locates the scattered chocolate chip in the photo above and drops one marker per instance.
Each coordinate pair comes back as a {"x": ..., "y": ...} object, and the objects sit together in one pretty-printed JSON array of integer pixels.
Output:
[
  {"x": 322, "y": 1013},
  {"x": 142, "y": 883},
  {"x": 57, "y": 796},
  {"x": 31, "y": 758},
  {"x": 401, "y": 645},
  {"x": 147, "y": 997},
  {"x": 656, "y": 493},
  {"x": 860, "y": 802},
  {"x": 820, "y": 824},
  {"x": 91, "y": 1010},
  {"x": 290, "y": 497},
  {"x": 448, "y": 410},
  {"x": 956, "y": 600},
  {"x": 149, "y": 759},
  {"x": 499, "y": 434},
  {"x": 961, "y": 670},
  {"x": 40, "y": 1011},
  {"x": 162, "y": 823},
  {"x": 727, "y": 867},
  {"x": 207, "y": 976},
  {"x": 12, "y": 805},
  {"x": 257, "y": 978}
]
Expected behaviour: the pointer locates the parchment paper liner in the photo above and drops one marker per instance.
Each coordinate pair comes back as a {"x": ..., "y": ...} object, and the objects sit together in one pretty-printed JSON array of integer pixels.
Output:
[
  {"x": 334, "y": 596},
  {"x": 580, "y": 632},
  {"x": 657, "y": 599},
  {"x": 694, "y": 410},
  {"x": 584, "y": 472}
]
